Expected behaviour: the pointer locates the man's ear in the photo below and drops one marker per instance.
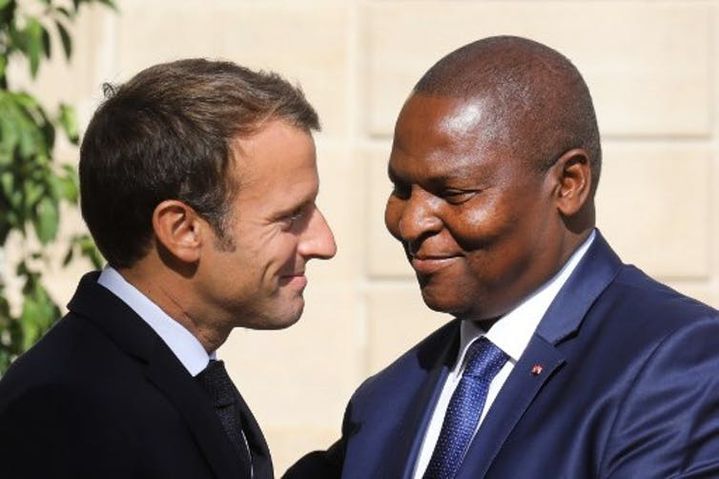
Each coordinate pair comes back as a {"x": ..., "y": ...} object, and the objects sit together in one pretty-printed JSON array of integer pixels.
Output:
[
  {"x": 573, "y": 173},
  {"x": 178, "y": 229}
]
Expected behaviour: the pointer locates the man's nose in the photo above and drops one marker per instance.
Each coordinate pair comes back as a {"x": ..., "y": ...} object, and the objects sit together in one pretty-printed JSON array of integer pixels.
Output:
[
  {"x": 318, "y": 240},
  {"x": 418, "y": 218}
]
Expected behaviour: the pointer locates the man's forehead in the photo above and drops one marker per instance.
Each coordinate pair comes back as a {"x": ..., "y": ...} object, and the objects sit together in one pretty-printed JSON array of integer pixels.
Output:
[{"x": 453, "y": 117}]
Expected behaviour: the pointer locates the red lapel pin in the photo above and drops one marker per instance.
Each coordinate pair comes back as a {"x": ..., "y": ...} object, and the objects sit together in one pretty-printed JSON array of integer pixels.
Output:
[{"x": 537, "y": 369}]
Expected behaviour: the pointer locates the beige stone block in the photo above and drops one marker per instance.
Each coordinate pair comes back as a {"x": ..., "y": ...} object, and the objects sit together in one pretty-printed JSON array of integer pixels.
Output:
[
  {"x": 305, "y": 43},
  {"x": 59, "y": 79},
  {"x": 654, "y": 206},
  {"x": 646, "y": 77},
  {"x": 289, "y": 444},
  {"x": 302, "y": 376},
  {"x": 385, "y": 256},
  {"x": 340, "y": 200},
  {"x": 397, "y": 320},
  {"x": 704, "y": 291}
]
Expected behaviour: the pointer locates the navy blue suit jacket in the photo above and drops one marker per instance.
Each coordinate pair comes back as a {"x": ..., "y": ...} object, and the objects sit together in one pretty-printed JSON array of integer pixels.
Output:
[
  {"x": 102, "y": 396},
  {"x": 629, "y": 388}
]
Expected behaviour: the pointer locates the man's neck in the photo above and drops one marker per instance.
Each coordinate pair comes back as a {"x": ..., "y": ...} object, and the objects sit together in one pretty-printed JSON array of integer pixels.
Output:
[{"x": 173, "y": 294}]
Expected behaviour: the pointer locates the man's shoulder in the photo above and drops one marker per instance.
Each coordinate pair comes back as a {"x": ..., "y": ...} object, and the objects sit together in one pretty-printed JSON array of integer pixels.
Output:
[
  {"x": 644, "y": 296},
  {"x": 70, "y": 353}
]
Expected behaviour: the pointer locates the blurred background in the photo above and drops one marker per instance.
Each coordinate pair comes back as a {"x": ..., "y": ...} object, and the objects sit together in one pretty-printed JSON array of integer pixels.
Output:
[{"x": 650, "y": 65}]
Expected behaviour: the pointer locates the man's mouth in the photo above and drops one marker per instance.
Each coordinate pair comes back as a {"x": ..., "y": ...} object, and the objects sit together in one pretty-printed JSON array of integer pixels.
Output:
[
  {"x": 428, "y": 264},
  {"x": 298, "y": 279}
]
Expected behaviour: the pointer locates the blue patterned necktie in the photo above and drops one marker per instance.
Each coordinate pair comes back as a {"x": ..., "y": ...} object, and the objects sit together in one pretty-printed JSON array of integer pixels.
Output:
[{"x": 484, "y": 360}]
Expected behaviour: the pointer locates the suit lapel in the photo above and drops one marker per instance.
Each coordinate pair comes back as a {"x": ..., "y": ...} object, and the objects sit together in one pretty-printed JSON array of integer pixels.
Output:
[
  {"x": 516, "y": 395},
  {"x": 261, "y": 460},
  {"x": 122, "y": 325},
  {"x": 592, "y": 275},
  {"x": 169, "y": 376}
]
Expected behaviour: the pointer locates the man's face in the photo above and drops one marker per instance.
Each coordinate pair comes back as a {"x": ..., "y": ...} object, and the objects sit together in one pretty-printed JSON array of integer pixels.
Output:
[
  {"x": 478, "y": 226},
  {"x": 274, "y": 229}
]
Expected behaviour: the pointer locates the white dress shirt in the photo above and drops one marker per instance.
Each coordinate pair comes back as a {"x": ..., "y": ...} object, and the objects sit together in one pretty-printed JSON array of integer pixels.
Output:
[
  {"x": 511, "y": 334},
  {"x": 181, "y": 342}
]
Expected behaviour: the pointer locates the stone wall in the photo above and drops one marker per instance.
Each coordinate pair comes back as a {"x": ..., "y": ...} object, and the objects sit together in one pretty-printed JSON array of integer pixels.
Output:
[{"x": 651, "y": 66}]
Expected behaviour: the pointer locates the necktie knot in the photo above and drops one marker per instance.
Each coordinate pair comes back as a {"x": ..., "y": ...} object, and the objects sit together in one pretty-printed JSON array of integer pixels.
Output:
[
  {"x": 217, "y": 383},
  {"x": 484, "y": 359}
]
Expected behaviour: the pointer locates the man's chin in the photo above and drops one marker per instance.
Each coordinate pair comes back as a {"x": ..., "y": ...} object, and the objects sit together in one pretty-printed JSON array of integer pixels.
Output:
[
  {"x": 274, "y": 320},
  {"x": 443, "y": 303},
  {"x": 289, "y": 318}
]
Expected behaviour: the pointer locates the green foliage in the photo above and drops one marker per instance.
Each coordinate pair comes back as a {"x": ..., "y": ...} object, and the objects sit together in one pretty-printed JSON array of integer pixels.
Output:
[{"x": 32, "y": 185}]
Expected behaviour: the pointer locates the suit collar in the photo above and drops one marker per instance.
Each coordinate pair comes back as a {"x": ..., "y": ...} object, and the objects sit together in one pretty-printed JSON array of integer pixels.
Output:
[
  {"x": 564, "y": 317},
  {"x": 592, "y": 275},
  {"x": 133, "y": 336},
  {"x": 179, "y": 339}
]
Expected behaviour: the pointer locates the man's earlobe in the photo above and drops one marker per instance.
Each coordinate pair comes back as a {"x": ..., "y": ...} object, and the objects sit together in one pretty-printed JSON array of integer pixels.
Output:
[
  {"x": 177, "y": 229},
  {"x": 574, "y": 174}
]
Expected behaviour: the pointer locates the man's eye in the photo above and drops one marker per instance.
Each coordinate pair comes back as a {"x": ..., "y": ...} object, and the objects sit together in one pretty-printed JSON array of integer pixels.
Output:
[
  {"x": 295, "y": 217},
  {"x": 400, "y": 191},
  {"x": 456, "y": 197}
]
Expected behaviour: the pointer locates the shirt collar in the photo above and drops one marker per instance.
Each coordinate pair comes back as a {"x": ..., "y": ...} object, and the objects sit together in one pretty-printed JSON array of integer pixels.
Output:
[
  {"x": 181, "y": 342},
  {"x": 514, "y": 330}
]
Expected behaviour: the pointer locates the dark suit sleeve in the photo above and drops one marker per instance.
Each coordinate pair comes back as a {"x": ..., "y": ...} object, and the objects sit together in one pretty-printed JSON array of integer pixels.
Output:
[
  {"x": 53, "y": 432},
  {"x": 668, "y": 423},
  {"x": 319, "y": 464}
]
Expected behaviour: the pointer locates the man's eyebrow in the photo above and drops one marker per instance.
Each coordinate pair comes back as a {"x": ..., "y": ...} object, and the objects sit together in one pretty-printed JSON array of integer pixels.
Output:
[
  {"x": 391, "y": 174},
  {"x": 440, "y": 179}
]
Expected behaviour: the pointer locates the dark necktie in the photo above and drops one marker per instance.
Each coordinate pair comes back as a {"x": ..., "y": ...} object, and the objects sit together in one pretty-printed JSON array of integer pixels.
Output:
[
  {"x": 484, "y": 360},
  {"x": 226, "y": 400}
]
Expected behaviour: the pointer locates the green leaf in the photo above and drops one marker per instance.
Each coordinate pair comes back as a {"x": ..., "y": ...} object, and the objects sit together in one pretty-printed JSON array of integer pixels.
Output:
[
  {"x": 47, "y": 220},
  {"x": 65, "y": 39},
  {"x": 29, "y": 326},
  {"x": 3, "y": 62},
  {"x": 69, "y": 185},
  {"x": 31, "y": 142},
  {"x": 7, "y": 182},
  {"x": 4, "y": 3},
  {"x": 109, "y": 3},
  {"x": 8, "y": 129},
  {"x": 67, "y": 13},
  {"x": 38, "y": 313},
  {"x": 26, "y": 101},
  {"x": 68, "y": 256},
  {"x": 46, "y": 44},
  {"x": 33, "y": 44},
  {"x": 88, "y": 249},
  {"x": 68, "y": 121}
]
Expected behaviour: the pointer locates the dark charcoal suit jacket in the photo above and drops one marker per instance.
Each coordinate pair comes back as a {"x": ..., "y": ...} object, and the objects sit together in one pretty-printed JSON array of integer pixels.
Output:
[
  {"x": 629, "y": 389},
  {"x": 102, "y": 396}
]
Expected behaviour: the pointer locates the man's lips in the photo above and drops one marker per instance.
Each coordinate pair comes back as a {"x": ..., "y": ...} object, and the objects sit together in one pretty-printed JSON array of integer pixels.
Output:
[
  {"x": 428, "y": 264},
  {"x": 298, "y": 280}
]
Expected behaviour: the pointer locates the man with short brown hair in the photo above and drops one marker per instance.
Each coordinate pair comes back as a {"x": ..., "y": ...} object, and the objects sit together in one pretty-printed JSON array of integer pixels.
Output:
[
  {"x": 562, "y": 361},
  {"x": 198, "y": 183}
]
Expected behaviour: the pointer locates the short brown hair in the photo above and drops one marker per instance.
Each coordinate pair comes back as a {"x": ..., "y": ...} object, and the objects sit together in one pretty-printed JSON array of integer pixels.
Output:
[{"x": 166, "y": 134}]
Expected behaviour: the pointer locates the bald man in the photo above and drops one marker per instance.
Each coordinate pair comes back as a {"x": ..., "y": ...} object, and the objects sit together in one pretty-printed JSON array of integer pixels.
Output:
[{"x": 562, "y": 361}]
